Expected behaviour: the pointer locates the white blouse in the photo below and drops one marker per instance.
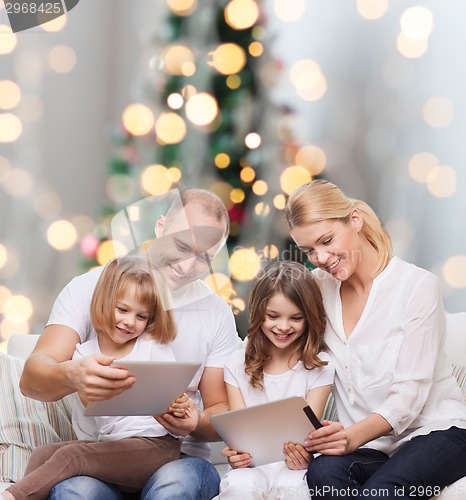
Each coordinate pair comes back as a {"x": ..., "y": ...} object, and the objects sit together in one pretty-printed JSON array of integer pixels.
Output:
[{"x": 394, "y": 362}]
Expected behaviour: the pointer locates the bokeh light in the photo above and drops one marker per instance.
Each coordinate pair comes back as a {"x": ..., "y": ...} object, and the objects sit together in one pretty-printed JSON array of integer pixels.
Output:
[
  {"x": 170, "y": 128},
  {"x": 182, "y": 7},
  {"x": 30, "y": 108},
  {"x": 227, "y": 58},
  {"x": 10, "y": 94},
  {"x": 262, "y": 209},
  {"x": 289, "y": 11},
  {"x": 175, "y": 100},
  {"x": 372, "y": 9},
  {"x": 202, "y": 109},
  {"x": 62, "y": 235},
  {"x": 56, "y": 24},
  {"x": 5, "y": 294},
  {"x": 411, "y": 48},
  {"x": 247, "y": 174},
  {"x": 252, "y": 140},
  {"x": 155, "y": 179},
  {"x": 308, "y": 80},
  {"x": 454, "y": 271},
  {"x": 237, "y": 195},
  {"x": 48, "y": 204},
  {"x": 138, "y": 119},
  {"x": 241, "y": 14},
  {"x": 416, "y": 23},
  {"x": 260, "y": 187},
  {"x": 10, "y": 126},
  {"x": 8, "y": 40},
  {"x": 17, "y": 309},
  {"x": 109, "y": 250},
  {"x": 279, "y": 202},
  {"x": 9, "y": 328},
  {"x": 222, "y": 160},
  {"x": 270, "y": 252},
  {"x": 421, "y": 164},
  {"x": 256, "y": 49},
  {"x": 292, "y": 177},
  {"x": 62, "y": 59},
  {"x": 311, "y": 157},
  {"x": 245, "y": 263},
  {"x": 175, "y": 174},
  {"x": 438, "y": 112},
  {"x": 441, "y": 181},
  {"x": 179, "y": 60},
  {"x": 19, "y": 182}
]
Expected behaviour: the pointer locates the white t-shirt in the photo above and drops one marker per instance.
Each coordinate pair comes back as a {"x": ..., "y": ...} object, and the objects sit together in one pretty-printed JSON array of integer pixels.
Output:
[
  {"x": 394, "y": 362},
  {"x": 206, "y": 330},
  {"x": 112, "y": 428},
  {"x": 295, "y": 382}
]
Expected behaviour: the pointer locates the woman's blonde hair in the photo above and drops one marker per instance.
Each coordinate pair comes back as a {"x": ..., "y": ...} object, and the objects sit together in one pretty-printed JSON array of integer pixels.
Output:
[
  {"x": 117, "y": 275},
  {"x": 297, "y": 284},
  {"x": 321, "y": 200}
]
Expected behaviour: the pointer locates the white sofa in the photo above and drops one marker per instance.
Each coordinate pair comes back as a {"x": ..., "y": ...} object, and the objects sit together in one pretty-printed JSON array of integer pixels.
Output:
[{"x": 21, "y": 346}]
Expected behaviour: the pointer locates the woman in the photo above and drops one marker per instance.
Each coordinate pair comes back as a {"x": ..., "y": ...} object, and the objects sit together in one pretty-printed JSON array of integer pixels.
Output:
[{"x": 402, "y": 417}]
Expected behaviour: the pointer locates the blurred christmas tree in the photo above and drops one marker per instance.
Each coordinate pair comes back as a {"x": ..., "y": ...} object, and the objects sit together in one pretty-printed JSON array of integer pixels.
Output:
[{"x": 215, "y": 128}]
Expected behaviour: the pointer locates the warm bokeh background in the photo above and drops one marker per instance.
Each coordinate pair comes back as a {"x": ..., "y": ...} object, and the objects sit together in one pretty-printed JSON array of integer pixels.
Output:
[{"x": 117, "y": 101}]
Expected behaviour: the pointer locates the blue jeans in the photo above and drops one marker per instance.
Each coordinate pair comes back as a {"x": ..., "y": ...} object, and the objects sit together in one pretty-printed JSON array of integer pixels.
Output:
[
  {"x": 421, "y": 468},
  {"x": 187, "y": 478}
]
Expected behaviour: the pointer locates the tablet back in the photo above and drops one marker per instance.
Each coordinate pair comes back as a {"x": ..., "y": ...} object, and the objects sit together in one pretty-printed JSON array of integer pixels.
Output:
[
  {"x": 157, "y": 385},
  {"x": 262, "y": 430}
]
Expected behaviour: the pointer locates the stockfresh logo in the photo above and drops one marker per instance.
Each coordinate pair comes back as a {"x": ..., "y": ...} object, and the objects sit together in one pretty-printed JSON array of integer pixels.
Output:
[{"x": 26, "y": 14}]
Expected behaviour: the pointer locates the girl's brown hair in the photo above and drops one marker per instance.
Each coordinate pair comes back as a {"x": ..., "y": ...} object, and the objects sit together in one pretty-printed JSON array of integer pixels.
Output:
[
  {"x": 116, "y": 276},
  {"x": 321, "y": 200},
  {"x": 298, "y": 285}
]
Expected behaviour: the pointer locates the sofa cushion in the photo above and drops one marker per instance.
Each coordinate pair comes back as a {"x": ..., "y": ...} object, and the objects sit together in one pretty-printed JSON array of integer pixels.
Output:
[{"x": 25, "y": 423}]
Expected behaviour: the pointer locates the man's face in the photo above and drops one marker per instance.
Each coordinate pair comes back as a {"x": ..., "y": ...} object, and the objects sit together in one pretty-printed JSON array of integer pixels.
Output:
[{"x": 186, "y": 243}]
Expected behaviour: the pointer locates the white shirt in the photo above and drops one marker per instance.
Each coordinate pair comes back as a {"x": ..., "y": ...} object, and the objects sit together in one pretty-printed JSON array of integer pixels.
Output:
[
  {"x": 394, "y": 362},
  {"x": 206, "y": 330},
  {"x": 112, "y": 428},
  {"x": 294, "y": 382}
]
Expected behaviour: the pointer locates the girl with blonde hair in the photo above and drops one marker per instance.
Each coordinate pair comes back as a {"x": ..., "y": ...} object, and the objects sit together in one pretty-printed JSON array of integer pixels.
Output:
[
  {"x": 402, "y": 416},
  {"x": 131, "y": 322}
]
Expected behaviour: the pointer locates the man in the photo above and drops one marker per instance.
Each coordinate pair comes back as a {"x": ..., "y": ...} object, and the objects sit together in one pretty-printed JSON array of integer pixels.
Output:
[{"x": 194, "y": 228}]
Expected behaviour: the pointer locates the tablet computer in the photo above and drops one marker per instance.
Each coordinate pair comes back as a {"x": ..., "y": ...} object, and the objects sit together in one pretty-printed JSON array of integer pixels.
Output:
[
  {"x": 262, "y": 430},
  {"x": 157, "y": 385}
]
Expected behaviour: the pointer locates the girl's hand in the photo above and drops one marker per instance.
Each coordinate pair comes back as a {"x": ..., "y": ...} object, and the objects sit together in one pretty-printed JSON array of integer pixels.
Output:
[
  {"x": 182, "y": 406},
  {"x": 181, "y": 426},
  {"x": 237, "y": 460},
  {"x": 296, "y": 456},
  {"x": 331, "y": 439}
]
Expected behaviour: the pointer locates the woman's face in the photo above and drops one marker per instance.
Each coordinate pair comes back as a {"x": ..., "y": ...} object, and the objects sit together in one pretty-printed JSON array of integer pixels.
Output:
[{"x": 331, "y": 245}]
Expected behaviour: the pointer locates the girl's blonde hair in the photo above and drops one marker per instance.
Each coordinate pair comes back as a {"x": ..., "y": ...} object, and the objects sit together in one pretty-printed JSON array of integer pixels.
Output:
[
  {"x": 117, "y": 275},
  {"x": 298, "y": 285},
  {"x": 321, "y": 200}
]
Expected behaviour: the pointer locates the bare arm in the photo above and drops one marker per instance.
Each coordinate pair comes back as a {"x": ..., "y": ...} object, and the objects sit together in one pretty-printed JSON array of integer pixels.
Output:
[
  {"x": 334, "y": 439},
  {"x": 214, "y": 398},
  {"x": 49, "y": 373}
]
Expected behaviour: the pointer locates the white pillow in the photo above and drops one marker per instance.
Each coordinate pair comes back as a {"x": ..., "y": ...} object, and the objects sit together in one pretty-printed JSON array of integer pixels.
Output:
[{"x": 25, "y": 423}]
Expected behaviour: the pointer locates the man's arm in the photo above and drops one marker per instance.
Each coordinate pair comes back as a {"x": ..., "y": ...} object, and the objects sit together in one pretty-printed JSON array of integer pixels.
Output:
[
  {"x": 50, "y": 374},
  {"x": 214, "y": 398}
]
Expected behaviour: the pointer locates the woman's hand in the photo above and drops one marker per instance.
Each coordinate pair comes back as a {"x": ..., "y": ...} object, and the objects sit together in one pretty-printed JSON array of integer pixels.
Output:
[
  {"x": 331, "y": 439},
  {"x": 237, "y": 460},
  {"x": 296, "y": 456}
]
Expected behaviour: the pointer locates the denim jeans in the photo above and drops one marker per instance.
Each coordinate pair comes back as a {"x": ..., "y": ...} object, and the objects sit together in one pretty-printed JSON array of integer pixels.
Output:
[
  {"x": 187, "y": 478},
  {"x": 421, "y": 468}
]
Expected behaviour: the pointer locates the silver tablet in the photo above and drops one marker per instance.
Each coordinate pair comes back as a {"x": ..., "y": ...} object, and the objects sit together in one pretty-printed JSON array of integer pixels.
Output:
[
  {"x": 262, "y": 430},
  {"x": 157, "y": 385}
]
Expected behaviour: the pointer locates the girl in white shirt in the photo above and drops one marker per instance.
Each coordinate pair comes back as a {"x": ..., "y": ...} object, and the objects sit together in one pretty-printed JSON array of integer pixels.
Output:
[
  {"x": 402, "y": 417},
  {"x": 128, "y": 315},
  {"x": 283, "y": 357}
]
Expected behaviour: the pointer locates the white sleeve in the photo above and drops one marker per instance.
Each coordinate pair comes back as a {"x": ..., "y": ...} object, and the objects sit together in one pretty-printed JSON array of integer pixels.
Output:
[
  {"x": 321, "y": 375},
  {"x": 72, "y": 306},
  {"x": 424, "y": 330},
  {"x": 234, "y": 365},
  {"x": 225, "y": 336}
]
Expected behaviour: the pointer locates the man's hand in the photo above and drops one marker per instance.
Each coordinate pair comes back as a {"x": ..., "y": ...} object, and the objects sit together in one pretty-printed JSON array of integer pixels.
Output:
[
  {"x": 331, "y": 439},
  {"x": 296, "y": 456},
  {"x": 237, "y": 460},
  {"x": 95, "y": 380}
]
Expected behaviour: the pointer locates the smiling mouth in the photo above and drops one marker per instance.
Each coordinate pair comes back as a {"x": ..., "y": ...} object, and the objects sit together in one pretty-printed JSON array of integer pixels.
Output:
[
  {"x": 282, "y": 336},
  {"x": 334, "y": 265},
  {"x": 177, "y": 274},
  {"x": 122, "y": 330}
]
